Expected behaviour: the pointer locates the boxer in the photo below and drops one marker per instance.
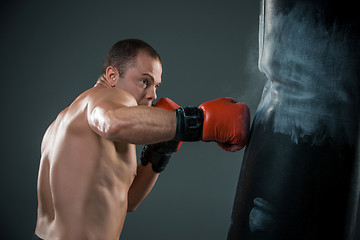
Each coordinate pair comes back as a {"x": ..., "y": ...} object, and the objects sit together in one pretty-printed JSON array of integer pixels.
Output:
[{"x": 88, "y": 177}]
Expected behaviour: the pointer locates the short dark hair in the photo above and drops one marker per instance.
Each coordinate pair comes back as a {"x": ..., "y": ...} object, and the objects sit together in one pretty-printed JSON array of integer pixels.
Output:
[{"x": 124, "y": 52}]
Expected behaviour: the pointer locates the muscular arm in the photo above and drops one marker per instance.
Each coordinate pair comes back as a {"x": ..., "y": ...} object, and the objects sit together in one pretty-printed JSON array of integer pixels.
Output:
[
  {"x": 114, "y": 115},
  {"x": 117, "y": 117},
  {"x": 141, "y": 125},
  {"x": 141, "y": 186}
]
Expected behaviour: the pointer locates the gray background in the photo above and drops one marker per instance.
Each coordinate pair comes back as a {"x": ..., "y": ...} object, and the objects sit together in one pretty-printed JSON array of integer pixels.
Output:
[{"x": 51, "y": 51}]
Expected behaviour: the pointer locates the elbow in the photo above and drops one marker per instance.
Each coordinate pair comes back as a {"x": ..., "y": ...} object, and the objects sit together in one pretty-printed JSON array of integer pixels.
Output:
[
  {"x": 129, "y": 210},
  {"x": 105, "y": 124},
  {"x": 118, "y": 128},
  {"x": 132, "y": 204},
  {"x": 112, "y": 129},
  {"x": 132, "y": 208}
]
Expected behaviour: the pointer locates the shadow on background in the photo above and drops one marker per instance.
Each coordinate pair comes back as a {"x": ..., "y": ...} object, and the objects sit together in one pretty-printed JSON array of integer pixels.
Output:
[{"x": 50, "y": 52}]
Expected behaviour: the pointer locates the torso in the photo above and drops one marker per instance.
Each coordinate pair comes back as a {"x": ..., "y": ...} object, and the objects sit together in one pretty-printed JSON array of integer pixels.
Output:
[{"x": 83, "y": 179}]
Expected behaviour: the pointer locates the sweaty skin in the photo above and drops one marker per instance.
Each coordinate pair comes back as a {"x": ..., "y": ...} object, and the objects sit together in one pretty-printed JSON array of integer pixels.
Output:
[{"x": 88, "y": 177}]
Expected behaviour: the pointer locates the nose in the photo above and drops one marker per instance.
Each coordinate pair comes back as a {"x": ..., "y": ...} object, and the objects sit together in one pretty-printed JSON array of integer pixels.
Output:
[{"x": 151, "y": 94}]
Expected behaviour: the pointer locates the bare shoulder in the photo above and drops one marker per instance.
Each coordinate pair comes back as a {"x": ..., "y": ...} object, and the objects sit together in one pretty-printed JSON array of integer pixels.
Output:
[
  {"x": 110, "y": 97},
  {"x": 51, "y": 130},
  {"x": 46, "y": 137}
]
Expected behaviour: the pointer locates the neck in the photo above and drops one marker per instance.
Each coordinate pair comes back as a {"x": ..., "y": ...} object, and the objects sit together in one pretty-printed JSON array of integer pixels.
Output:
[{"x": 102, "y": 82}]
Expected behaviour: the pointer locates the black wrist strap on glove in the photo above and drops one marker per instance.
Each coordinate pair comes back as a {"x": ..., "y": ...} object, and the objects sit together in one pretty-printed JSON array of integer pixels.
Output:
[
  {"x": 158, "y": 154},
  {"x": 189, "y": 124}
]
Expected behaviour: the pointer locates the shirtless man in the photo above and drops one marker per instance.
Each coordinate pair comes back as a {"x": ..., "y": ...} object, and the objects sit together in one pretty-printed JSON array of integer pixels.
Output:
[{"x": 88, "y": 177}]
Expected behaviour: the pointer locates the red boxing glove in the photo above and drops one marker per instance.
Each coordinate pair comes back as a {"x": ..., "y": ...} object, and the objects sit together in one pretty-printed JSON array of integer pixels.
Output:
[
  {"x": 168, "y": 104},
  {"x": 227, "y": 122}
]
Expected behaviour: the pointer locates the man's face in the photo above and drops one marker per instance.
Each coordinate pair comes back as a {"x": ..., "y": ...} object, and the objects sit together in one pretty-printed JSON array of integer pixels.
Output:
[{"x": 142, "y": 79}]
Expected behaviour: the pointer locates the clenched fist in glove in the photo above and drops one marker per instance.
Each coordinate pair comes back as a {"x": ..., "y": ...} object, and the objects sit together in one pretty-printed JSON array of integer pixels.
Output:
[{"x": 222, "y": 120}]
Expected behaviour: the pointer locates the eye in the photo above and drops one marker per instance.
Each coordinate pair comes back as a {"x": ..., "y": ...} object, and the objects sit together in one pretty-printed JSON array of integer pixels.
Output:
[{"x": 145, "y": 82}]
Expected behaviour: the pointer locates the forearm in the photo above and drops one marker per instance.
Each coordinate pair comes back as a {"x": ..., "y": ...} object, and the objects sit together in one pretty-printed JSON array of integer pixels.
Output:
[
  {"x": 141, "y": 186},
  {"x": 138, "y": 125}
]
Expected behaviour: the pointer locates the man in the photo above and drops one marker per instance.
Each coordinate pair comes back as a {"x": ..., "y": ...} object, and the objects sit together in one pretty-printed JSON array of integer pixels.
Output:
[{"x": 88, "y": 176}]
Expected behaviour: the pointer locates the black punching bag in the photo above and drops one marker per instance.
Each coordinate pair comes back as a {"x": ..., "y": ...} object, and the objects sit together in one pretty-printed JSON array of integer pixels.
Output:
[{"x": 300, "y": 174}]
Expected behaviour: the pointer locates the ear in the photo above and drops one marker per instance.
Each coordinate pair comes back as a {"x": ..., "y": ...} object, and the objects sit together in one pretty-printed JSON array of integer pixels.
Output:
[{"x": 112, "y": 75}]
